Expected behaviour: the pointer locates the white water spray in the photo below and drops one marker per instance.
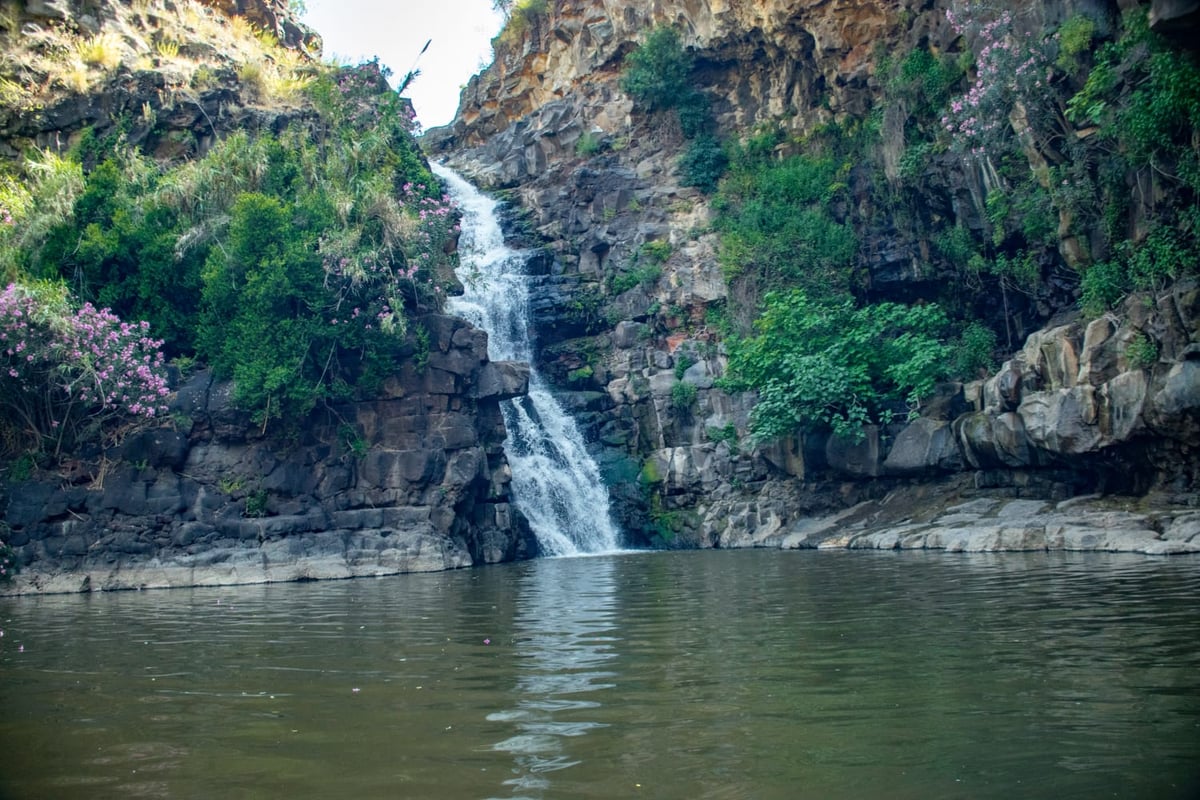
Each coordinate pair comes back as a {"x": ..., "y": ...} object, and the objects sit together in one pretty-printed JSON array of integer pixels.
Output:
[{"x": 556, "y": 483}]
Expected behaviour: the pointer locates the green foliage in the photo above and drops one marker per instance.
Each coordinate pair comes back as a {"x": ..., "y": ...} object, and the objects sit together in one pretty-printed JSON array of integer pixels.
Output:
[
  {"x": 1145, "y": 96},
  {"x": 1102, "y": 286},
  {"x": 1020, "y": 269},
  {"x": 703, "y": 163},
  {"x": 695, "y": 115},
  {"x": 421, "y": 354},
  {"x": 914, "y": 161},
  {"x": 683, "y": 362},
  {"x": 656, "y": 252},
  {"x": 1141, "y": 351},
  {"x": 118, "y": 249},
  {"x": 640, "y": 275},
  {"x": 289, "y": 262},
  {"x": 1075, "y": 39},
  {"x": 667, "y": 526},
  {"x": 831, "y": 364},
  {"x": 683, "y": 396},
  {"x": 657, "y": 74},
  {"x": 1164, "y": 256},
  {"x": 726, "y": 433},
  {"x": 775, "y": 221},
  {"x": 974, "y": 353},
  {"x": 21, "y": 468},
  {"x": 37, "y": 207},
  {"x": 956, "y": 245},
  {"x": 586, "y": 310},
  {"x": 581, "y": 375},
  {"x": 649, "y": 475},
  {"x": 521, "y": 15},
  {"x": 589, "y": 144},
  {"x": 259, "y": 297},
  {"x": 922, "y": 81},
  {"x": 256, "y": 503}
]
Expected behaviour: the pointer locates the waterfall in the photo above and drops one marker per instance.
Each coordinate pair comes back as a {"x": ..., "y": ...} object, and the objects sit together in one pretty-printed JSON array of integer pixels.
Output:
[{"x": 555, "y": 482}]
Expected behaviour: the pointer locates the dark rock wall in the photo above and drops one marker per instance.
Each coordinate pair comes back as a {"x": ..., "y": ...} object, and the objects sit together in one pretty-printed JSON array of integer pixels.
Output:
[{"x": 412, "y": 480}]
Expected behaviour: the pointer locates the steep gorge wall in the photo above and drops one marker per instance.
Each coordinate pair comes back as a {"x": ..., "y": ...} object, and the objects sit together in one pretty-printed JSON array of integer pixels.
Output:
[{"x": 593, "y": 181}]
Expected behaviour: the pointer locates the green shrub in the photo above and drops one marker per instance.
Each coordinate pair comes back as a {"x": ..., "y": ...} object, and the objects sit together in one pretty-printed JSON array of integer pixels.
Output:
[
  {"x": 1074, "y": 39},
  {"x": 258, "y": 322},
  {"x": 1141, "y": 351},
  {"x": 256, "y": 503},
  {"x": 581, "y": 375},
  {"x": 1102, "y": 287},
  {"x": 589, "y": 144},
  {"x": 832, "y": 364},
  {"x": 1164, "y": 256},
  {"x": 695, "y": 115},
  {"x": 774, "y": 222},
  {"x": 641, "y": 275},
  {"x": 683, "y": 396},
  {"x": 703, "y": 163},
  {"x": 657, "y": 74},
  {"x": 975, "y": 351},
  {"x": 655, "y": 252},
  {"x": 726, "y": 433},
  {"x": 1143, "y": 93},
  {"x": 956, "y": 245}
]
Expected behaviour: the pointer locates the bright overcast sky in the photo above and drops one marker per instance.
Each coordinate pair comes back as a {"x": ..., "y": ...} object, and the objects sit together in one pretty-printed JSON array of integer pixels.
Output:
[{"x": 396, "y": 30}]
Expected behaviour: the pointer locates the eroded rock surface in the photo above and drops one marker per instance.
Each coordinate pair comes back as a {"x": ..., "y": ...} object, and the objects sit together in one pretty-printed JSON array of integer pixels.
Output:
[{"x": 414, "y": 480}]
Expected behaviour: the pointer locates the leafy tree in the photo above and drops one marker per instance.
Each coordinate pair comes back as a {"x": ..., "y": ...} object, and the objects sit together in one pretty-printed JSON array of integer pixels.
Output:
[
  {"x": 657, "y": 75},
  {"x": 263, "y": 300},
  {"x": 835, "y": 365}
]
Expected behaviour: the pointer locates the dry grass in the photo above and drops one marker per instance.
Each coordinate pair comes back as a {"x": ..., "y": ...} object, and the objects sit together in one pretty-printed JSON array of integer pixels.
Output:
[
  {"x": 104, "y": 51},
  {"x": 146, "y": 35},
  {"x": 167, "y": 48}
]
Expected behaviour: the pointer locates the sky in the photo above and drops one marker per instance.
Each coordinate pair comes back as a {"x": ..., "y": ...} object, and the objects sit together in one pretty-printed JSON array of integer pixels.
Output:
[{"x": 395, "y": 30}]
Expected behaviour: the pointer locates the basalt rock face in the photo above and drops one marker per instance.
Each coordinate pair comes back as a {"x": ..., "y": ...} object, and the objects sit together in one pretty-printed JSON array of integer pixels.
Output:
[
  {"x": 593, "y": 182},
  {"x": 412, "y": 480},
  {"x": 158, "y": 103}
]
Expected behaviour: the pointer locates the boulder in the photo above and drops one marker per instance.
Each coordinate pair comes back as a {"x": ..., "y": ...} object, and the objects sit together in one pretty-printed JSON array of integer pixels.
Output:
[
  {"x": 1062, "y": 422},
  {"x": 860, "y": 457},
  {"x": 989, "y": 441},
  {"x": 502, "y": 380},
  {"x": 924, "y": 446}
]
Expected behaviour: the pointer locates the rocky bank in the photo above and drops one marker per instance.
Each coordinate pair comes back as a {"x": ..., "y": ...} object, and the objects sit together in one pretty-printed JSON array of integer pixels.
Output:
[{"x": 414, "y": 480}]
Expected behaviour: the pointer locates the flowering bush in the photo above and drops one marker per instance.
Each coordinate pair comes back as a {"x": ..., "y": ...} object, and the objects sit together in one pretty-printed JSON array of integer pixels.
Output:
[
  {"x": 62, "y": 368},
  {"x": 1011, "y": 68}
]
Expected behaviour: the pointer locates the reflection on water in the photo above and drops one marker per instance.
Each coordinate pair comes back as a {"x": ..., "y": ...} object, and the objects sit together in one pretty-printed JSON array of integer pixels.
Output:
[
  {"x": 564, "y": 634},
  {"x": 668, "y": 675}
]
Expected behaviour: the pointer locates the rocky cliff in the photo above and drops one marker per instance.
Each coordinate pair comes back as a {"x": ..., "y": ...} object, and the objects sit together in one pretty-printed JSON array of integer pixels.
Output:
[
  {"x": 1078, "y": 406},
  {"x": 168, "y": 78}
]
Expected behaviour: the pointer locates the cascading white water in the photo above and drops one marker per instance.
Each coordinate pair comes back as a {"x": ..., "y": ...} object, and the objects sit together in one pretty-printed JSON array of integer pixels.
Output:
[{"x": 556, "y": 483}]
